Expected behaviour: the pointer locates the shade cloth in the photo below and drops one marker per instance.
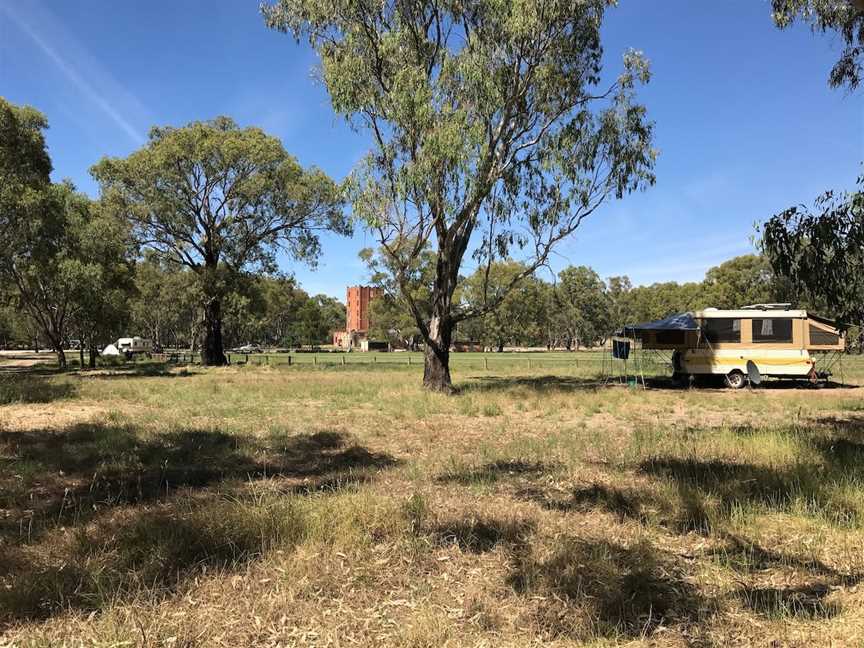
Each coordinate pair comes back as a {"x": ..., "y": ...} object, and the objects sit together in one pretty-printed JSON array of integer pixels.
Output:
[{"x": 679, "y": 322}]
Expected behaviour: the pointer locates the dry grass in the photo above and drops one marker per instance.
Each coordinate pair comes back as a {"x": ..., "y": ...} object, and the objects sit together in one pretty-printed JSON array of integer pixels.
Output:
[{"x": 303, "y": 506}]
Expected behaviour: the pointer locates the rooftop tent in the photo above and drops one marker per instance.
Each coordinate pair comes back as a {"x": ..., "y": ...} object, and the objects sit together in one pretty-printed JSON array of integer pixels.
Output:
[{"x": 679, "y": 322}]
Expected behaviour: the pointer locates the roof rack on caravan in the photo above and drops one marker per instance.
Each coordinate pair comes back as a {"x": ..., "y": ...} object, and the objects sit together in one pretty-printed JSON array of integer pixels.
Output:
[{"x": 779, "y": 306}]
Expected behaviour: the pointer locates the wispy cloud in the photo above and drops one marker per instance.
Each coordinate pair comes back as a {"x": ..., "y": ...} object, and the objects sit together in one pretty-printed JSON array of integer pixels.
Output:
[
  {"x": 690, "y": 262},
  {"x": 101, "y": 95}
]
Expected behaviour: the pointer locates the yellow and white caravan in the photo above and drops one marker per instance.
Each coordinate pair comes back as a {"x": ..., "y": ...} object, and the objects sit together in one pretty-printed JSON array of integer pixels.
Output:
[{"x": 753, "y": 341}]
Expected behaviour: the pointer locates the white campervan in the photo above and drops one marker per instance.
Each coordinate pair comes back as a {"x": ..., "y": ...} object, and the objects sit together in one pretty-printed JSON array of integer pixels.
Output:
[{"x": 130, "y": 346}]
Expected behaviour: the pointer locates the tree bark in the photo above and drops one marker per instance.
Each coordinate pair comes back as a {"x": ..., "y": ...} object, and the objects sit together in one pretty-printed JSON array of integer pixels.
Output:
[
  {"x": 93, "y": 353},
  {"x": 213, "y": 354},
  {"x": 436, "y": 367},
  {"x": 81, "y": 354},
  {"x": 61, "y": 357}
]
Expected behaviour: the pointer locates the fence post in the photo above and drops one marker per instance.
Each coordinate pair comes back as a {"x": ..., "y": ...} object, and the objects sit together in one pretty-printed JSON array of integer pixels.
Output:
[
  {"x": 247, "y": 358},
  {"x": 409, "y": 360},
  {"x": 343, "y": 360},
  {"x": 374, "y": 359},
  {"x": 485, "y": 362},
  {"x": 529, "y": 363},
  {"x": 314, "y": 358},
  {"x": 289, "y": 359}
]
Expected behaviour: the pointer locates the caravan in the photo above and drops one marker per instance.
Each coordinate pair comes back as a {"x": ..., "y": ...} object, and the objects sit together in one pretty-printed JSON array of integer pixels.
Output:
[
  {"x": 132, "y": 346},
  {"x": 753, "y": 341}
]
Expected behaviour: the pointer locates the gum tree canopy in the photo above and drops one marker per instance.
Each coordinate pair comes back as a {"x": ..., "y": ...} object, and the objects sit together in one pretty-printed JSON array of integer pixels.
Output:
[
  {"x": 820, "y": 251},
  {"x": 845, "y": 17},
  {"x": 492, "y": 129},
  {"x": 217, "y": 198},
  {"x": 25, "y": 169}
]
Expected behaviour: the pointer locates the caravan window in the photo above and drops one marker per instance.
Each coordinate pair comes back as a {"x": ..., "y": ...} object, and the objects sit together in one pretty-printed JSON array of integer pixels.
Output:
[
  {"x": 722, "y": 329},
  {"x": 772, "y": 330},
  {"x": 820, "y": 336}
]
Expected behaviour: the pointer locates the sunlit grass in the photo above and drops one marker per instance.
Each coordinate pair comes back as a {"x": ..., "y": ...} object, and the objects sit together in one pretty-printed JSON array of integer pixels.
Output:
[{"x": 535, "y": 504}]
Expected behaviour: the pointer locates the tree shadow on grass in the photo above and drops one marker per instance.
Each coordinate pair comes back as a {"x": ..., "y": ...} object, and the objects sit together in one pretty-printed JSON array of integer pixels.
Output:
[
  {"x": 150, "y": 369},
  {"x": 587, "y": 589},
  {"x": 491, "y": 472},
  {"x": 807, "y": 602},
  {"x": 624, "y": 503},
  {"x": 479, "y": 534},
  {"x": 541, "y": 384},
  {"x": 152, "y": 549},
  {"x": 125, "y": 483},
  {"x": 42, "y": 384},
  {"x": 735, "y": 484},
  {"x": 745, "y": 556},
  {"x": 28, "y": 389},
  {"x": 842, "y": 442},
  {"x": 59, "y": 477},
  {"x": 37, "y": 369}
]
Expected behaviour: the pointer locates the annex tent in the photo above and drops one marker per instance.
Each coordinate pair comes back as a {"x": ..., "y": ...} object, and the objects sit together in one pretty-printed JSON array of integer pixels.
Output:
[
  {"x": 624, "y": 347},
  {"x": 110, "y": 350},
  {"x": 679, "y": 322}
]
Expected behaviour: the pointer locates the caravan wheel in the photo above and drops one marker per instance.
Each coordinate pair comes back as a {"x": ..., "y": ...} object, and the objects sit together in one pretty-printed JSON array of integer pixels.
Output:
[
  {"x": 680, "y": 379},
  {"x": 735, "y": 379}
]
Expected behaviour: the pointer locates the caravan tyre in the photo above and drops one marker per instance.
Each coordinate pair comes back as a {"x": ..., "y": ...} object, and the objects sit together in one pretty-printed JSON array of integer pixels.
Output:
[
  {"x": 735, "y": 379},
  {"x": 680, "y": 379}
]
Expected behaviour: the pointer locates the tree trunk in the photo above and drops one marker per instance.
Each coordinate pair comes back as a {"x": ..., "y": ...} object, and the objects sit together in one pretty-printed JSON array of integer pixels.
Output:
[
  {"x": 61, "y": 358},
  {"x": 436, "y": 369},
  {"x": 93, "y": 353},
  {"x": 193, "y": 331},
  {"x": 81, "y": 354},
  {"x": 212, "y": 354}
]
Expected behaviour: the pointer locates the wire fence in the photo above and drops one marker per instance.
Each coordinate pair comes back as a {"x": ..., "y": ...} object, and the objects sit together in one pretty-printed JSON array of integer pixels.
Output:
[{"x": 582, "y": 361}]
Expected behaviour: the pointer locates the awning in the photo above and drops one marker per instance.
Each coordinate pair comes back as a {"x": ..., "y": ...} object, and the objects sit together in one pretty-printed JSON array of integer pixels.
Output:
[
  {"x": 841, "y": 326},
  {"x": 679, "y": 322}
]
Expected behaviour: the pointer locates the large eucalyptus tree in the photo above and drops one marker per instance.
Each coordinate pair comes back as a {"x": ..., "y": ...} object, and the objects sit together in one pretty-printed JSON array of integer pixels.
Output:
[
  {"x": 221, "y": 199},
  {"x": 25, "y": 169},
  {"x": 494, "y": 132}
]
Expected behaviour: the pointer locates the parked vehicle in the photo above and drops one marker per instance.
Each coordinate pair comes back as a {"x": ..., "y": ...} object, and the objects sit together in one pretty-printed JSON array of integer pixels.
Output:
[
  {"x": 248, "y": 348},
  {"x": 132, "y": 346},
  {"x": 746, "y": 344}
]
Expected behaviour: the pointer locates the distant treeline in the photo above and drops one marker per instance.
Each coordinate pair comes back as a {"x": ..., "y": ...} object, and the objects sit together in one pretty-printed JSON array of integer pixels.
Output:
[
  {"x": 576, "y": 310},
  {"x": 164, "y": 304}
]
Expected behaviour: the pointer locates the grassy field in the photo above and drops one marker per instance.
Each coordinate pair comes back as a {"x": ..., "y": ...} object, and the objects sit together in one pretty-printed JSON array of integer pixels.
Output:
[{"x": 340, "y": 505}]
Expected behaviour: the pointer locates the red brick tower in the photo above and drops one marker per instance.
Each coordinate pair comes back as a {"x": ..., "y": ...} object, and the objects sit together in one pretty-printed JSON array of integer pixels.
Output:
[{"x": 359, "y": 298}]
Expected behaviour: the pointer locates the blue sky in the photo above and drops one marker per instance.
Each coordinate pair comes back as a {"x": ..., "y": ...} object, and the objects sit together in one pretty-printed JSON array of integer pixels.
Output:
[{"x": 745, "y": 122}]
